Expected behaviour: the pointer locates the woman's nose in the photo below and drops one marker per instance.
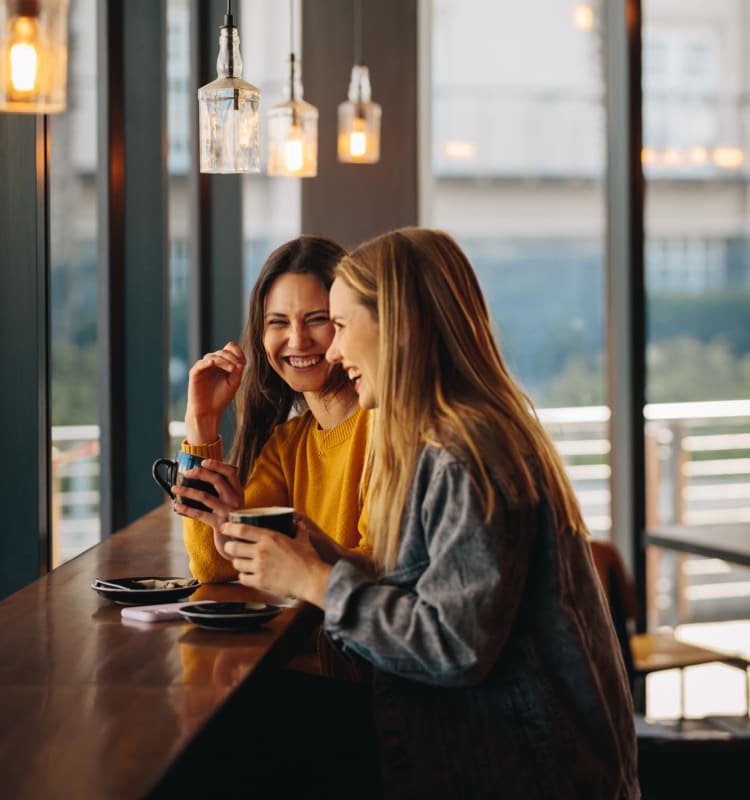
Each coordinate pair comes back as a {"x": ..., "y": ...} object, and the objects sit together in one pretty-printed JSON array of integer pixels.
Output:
[
  {"x": 332, "y": 354},
  {"x": 298, "y": 335}
]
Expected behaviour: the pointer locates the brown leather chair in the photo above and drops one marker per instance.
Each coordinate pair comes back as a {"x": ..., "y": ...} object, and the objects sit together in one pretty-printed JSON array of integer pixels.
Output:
[{"x": 645, "y": 653}]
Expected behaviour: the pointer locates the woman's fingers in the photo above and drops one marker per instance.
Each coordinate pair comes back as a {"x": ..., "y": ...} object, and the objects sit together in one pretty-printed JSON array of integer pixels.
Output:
[
  {"x": 214, "y": 519},
  {"x": 209, "y": 465},
  {"x": 217, "y": 503},
  {"x": 216, "y": 361},
  {"x": 258, "y": 556},
  {"x": 235, "y": 350},
  {"x": 245, "y": 533},
  {"x": 224, "y": 479},
  {"x": 230, "y": 361}
]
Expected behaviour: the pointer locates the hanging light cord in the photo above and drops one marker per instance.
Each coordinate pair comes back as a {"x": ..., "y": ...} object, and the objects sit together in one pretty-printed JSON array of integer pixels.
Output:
[
  {"x": 229, "y": 23},
  {"x": 358, "y": 32},
  {"x": 291, "y": 55}
]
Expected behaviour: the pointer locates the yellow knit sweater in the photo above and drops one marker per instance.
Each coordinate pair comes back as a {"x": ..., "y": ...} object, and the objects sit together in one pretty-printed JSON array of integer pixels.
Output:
[{"x": 301, "y": 465}]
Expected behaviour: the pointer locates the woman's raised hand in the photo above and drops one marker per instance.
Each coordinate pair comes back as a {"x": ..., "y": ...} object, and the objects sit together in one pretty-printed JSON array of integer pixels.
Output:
[{"x": 212, "y": 384}]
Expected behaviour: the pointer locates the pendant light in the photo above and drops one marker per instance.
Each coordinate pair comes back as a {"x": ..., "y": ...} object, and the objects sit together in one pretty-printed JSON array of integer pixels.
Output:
[
  {"x": 229, "y": 111},
  {"x": 293, "y": 125},
  {"x": 359, "y": 117},
  {"x": 33, "y": 56}
]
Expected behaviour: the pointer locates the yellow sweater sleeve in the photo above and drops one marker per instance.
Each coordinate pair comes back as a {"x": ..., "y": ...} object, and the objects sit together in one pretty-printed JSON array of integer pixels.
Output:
[{"x": 205, "y": 562}]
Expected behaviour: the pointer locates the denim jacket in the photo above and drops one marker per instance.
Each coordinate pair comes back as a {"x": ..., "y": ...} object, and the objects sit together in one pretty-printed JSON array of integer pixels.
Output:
[{"x": 497, "y": 672}]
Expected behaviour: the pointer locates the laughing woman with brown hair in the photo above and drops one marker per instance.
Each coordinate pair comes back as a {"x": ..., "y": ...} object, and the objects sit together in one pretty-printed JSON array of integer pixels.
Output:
[{"x": 312, "y": 461}]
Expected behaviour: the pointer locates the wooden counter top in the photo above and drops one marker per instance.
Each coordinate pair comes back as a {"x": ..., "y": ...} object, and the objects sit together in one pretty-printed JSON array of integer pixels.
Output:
[{"x": 92, "y": 707}]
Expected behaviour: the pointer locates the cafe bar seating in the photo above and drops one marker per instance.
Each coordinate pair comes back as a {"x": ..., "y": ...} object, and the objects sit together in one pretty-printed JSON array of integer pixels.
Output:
[
  {"x": 680, "y": 758},
  {"x": 645, "y": 653}
]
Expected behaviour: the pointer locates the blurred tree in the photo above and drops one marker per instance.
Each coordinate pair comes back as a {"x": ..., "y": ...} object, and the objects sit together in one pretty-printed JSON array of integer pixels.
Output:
[
  {"x": 679, "y": 370},
  {"x": 74, "y": 384}
]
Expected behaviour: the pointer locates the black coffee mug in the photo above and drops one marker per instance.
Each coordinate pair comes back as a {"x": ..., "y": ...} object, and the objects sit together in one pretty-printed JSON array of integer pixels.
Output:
[
  {"x": 277, "y": 518},
  {"x": 168, "y": 474}
]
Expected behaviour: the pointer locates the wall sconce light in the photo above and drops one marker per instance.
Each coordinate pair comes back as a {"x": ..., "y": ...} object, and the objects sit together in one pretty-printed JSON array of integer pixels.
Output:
[
  {"x": 229, "y": 111},
  {"x": 293, "y": 126},
  {"x": 34, "y": 56},
  {"x": 359, "y": 117}
]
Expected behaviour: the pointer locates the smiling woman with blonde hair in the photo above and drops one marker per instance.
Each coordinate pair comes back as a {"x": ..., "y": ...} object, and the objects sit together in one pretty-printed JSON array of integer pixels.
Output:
[
  {"x": 458, "y": 389},
  {"x": 496, "y": 668}
]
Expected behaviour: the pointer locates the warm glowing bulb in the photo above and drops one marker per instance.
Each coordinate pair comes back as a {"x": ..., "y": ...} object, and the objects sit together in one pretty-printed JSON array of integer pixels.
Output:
[
  {"x": 698, "y": 155},
  {"x": 358, "y": 138},
  {"x": 294, "y": 156},
  {"x": 583, "y": 17},
  {"x": 22, "y": 54},
  {"x": 729, "y": 157},
  {"x": 23, "y": 61}
]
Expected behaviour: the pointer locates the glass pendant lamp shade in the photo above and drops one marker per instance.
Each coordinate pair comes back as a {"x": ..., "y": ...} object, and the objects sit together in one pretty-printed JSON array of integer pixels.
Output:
[
  {"x": 359, "y": 121},
  {"x": 33, "y": 56},
  {"x": 293, "y": 131},
  {"x": 229, "y": 112}
]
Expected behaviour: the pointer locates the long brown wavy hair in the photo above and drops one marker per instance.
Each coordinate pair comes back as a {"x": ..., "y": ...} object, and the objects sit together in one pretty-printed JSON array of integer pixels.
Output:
[
  {"x": 264, "y": 399},
  {"x": 443, "y": 381}
]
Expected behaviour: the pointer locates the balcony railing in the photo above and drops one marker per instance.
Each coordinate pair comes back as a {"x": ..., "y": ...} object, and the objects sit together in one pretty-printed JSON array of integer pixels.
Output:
[{"x": 697, "y": 473}]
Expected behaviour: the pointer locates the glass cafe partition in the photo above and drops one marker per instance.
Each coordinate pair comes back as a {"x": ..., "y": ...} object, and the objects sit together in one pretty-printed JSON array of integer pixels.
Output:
[
  {"x": 695, "y": 158},
  {"x": 517, "y": 175},
  {"x": 73, "y": 304}
]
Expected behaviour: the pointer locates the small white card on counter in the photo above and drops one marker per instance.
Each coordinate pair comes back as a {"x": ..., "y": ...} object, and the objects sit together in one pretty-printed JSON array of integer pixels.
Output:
[{"x": 160, "y": 612}]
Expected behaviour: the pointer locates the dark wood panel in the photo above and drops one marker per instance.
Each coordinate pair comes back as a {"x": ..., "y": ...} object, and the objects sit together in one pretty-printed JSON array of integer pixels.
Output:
[
  {"x": 133, "y": 261},
  {"x": 353, "y": 202},
  {"x": 24, "y": 346}
]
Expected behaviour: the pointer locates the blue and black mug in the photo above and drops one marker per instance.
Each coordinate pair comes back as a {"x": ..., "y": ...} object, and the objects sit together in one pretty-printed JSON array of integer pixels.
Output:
[{"x": 168, "y": 474}]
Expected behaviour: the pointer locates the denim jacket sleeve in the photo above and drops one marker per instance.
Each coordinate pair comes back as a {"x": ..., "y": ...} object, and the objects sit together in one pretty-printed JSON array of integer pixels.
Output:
[{"x": 443, "y": 614}]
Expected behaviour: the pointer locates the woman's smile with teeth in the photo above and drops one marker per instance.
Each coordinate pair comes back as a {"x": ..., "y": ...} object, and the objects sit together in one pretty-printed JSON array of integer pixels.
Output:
[{"x": 301, "y": 362}]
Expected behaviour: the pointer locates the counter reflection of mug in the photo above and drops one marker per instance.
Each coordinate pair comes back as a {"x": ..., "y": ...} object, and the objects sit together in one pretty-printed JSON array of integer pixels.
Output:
[
  {"x": 277, "y": 518},
  {"x": 168, "y": 474}
]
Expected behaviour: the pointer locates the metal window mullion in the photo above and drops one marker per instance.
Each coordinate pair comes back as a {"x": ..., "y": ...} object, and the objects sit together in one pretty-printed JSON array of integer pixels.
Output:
[
  {"x": 133, "y": 264},
  {"x": 625, "y": 282},
  {"x": 24, "y": 348}
]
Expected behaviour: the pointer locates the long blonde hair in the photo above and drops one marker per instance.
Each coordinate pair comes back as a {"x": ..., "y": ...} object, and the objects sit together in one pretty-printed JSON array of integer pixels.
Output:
[{"x": 442, "y": 381}]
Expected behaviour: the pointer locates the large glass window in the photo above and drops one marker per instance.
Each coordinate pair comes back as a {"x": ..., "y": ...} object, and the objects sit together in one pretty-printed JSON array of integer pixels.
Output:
[
  {"x": 178, "y": 164},
  {"x": 73, "y": 299},
  {"x": 271, "y": 205},
  {"x": 517, "y": 177},
  {"x": 696, "y": 148}
]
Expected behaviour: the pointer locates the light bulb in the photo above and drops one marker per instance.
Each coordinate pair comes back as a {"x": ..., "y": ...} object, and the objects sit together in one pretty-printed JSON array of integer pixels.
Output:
[
  {"x": 293, "y": 131},
  {"x": 33, "y": 56},
  {"x": 294, "y": 150},
  {"x": 359, "y": 122},
  {"x": 23, "y": 59},
  {"x": 358, "y": 138}
]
